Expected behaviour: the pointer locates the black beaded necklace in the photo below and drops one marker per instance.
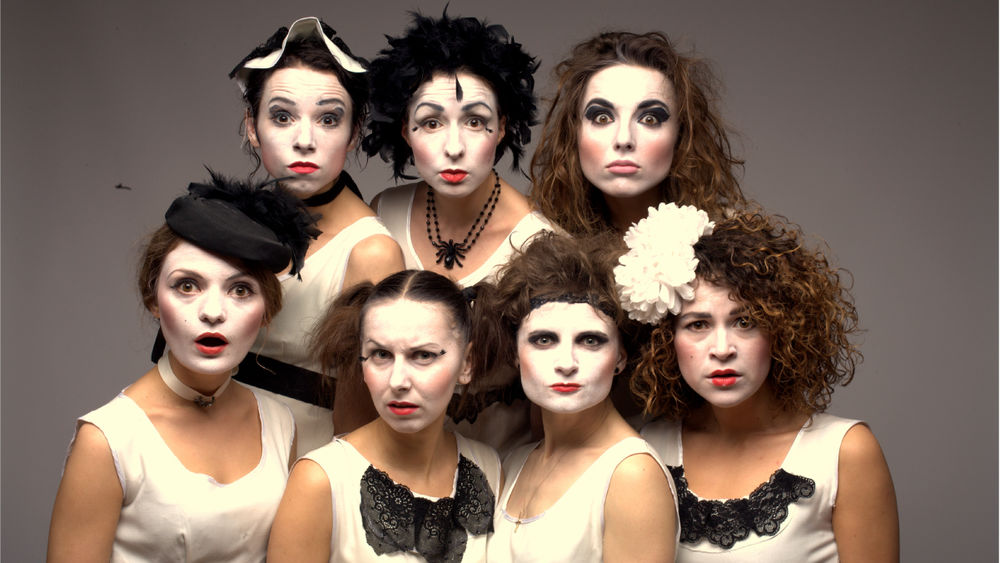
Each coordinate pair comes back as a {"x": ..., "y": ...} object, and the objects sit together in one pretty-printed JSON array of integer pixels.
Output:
[{"x": 451, "y": 252}]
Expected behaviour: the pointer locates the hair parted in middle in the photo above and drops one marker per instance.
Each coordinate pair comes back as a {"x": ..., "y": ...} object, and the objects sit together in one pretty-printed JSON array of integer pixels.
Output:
[
  {"x": 449, "y": 45},
  {"x": 337, "y": 338},
  {"x": 790, "y": 292},
  {"x": 703, "y": 172},
  {"x": 310, "y": 53}
]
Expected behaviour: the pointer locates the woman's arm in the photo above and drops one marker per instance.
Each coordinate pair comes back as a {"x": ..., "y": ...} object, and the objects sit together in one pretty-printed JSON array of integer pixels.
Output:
[
  {"x": 88, "y": 503},
  {"x": 640, "y": 522},
  {"x": 865, "y": 520},
  {"x": 304, "y": 522}
]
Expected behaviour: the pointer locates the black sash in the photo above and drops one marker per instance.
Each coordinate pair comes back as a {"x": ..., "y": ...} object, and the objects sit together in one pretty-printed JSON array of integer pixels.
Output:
[{"x": 285, "y": 379}]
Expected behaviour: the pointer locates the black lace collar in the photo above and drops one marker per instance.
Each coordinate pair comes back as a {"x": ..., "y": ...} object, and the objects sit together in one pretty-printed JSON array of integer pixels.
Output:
[
  {"x": 725, "y": 522},
  {"x": 396, "y": 520}
]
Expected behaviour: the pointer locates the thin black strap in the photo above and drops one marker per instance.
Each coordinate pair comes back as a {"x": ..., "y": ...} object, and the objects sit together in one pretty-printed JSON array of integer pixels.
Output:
[{"x": 285, "y": 379}]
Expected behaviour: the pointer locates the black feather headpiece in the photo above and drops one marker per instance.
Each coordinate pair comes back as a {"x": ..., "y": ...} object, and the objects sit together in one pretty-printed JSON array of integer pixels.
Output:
[
  {"x": 448, "y": 45},
  {"x": 260, "y": 224}
]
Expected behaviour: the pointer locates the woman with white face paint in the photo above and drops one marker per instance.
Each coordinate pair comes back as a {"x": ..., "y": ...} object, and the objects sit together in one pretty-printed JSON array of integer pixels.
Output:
[
  {"x": 591, "y": 489},
  {"x": 184, "y": 464},
  {"x": 450, "y": 97},
  {"x": 306, "y": 98},
  {"x": 633, "y": 123},
  {"x": 750, "y": 335},
  {"x": 400, "y": 487}
]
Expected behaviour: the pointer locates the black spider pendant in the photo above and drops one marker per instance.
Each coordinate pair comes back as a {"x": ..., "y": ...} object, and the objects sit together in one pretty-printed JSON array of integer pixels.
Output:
[{"x": 450, "y": 253}]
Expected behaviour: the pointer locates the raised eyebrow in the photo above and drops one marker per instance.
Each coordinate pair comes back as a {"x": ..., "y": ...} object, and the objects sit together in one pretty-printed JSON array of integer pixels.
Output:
[
  {"x": 431, "y": 105},
  {"x": 331, "y": 101},
  {"x": 600, "y": 102},
  {"x": 281, "y": 99},
  {"x": 186, "y": 273},
  {"x": 470, "y": 106},
  {"x": 646, "y": 104}
]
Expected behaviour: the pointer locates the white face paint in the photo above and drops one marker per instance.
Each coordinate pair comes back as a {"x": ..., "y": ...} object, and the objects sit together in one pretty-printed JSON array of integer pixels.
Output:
[
  {"x": 722, "y": 355},
  {"x": 413, "y": 357},
  {"x": 627, "y": 130},
  {"x": 210, "y": 312},
  {"x": 454, "y": 138},
  {"x": 303, "y": 129},
  {"x": 568, "y": 354}
]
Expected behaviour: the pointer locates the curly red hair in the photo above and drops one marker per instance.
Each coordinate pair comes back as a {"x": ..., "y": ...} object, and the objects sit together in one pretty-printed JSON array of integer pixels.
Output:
[
  {"x": 702, "y": 173},
  {"x": 790, "y": 292}
]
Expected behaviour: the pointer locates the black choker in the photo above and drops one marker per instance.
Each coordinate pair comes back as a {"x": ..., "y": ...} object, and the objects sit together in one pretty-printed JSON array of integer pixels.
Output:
[
  {"x": 323, "y": 198},
  {"x": 452, "y": 252}
]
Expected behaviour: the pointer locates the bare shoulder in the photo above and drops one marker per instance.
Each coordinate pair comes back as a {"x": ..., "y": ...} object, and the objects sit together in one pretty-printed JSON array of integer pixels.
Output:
[
  {"x": 639, "y": 480},
  {"x": 865, "y": 517},
  {"x": 308, "y": 476},
  {"x": 304, "y": 523},
  {"x": 373, "y": 259},
  {"x": 376, "y": 247},
  {"x": 639, "y": 512},
  {"x": 90, "y": 443},
  {"x": 639, "y": 469},
  {"x": 860, "y": 449}
]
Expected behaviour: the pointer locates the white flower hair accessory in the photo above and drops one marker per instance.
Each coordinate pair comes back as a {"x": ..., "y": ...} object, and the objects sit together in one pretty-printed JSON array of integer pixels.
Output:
[{"x": 656, "y": 273}]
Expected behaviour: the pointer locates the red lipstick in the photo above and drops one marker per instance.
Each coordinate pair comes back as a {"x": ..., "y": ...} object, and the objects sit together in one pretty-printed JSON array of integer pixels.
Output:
[
  {"x": 402, "y": 408},
  {"x": 303, "y": 167},
  {"x": 211, "y": 343},
  {"x": 565, "y": 387},
  {"x": 453, "y": 176},
  {"x": 724, "y": 377}
]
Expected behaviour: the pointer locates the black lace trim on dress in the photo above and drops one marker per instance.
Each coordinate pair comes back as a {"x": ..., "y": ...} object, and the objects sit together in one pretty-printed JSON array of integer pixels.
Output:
[
  {"x": 725, "y": 522},
  {"x": 395, "y": 520}
]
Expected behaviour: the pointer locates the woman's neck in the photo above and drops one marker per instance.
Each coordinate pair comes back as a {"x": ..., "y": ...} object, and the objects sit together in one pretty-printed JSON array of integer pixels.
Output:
[
  {"x": 413, "y": 453},
  {"x": 458, "y": 213},
  {"x": 760, "y": 414},
  {"x": 577, "y": 430},
  {"x": 206, "y": 384},
  {"x": 624, "y": 211}
]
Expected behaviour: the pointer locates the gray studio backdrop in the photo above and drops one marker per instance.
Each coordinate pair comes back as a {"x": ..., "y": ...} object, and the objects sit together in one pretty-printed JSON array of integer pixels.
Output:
[{"x": 872, "y": 124}]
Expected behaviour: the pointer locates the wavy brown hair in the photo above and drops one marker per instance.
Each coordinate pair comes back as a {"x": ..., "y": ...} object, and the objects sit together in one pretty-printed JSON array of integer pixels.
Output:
[
  {"x": 164, "y": 239},
  {"x": 791, "y": 292},
  {"x": 703, "y": 167}
]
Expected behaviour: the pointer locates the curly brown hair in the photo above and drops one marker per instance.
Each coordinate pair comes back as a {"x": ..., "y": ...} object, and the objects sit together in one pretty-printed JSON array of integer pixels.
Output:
[
  {"x": 703, "y": 167},
  {"x": 553, "y": 266},
  {"x": 792, "y": 293}
]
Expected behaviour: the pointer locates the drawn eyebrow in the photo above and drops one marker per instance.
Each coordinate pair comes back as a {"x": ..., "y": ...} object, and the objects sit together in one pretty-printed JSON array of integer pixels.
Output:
[
  {"x": 331, "y": 101},
  {"x": 471, "y": 105},
  {"x": 601, "y": 102},
  {"x": 431, "y": 105},
  {"x": 281, "y": 99},
  {"x": 651, "y": 104}
]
